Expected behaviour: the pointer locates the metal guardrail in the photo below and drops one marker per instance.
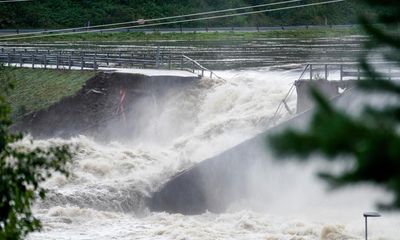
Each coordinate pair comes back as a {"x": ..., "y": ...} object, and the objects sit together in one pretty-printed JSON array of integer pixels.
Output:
[
  {"x": 89, "y": 60},
  {"x": 196, "y": 66},
  {"x": 284, "y": 100},
  {"x": 211, "y": 54},
  {"x": 258, "y": 28},
  {"x": 349, "y": 70},
  {"x": 94, "y": 60},
  {"x": 120, "y": 54},
  {"x": 72, "y": 61}
]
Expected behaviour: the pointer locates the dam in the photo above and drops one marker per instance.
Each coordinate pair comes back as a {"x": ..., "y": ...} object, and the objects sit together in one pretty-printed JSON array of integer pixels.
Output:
[
  {"x": 190, "y": 152},
  {"x": 167, "y": 114},
  {"x": 135, "y": 185},
  {"x": 219, "y": 181}
]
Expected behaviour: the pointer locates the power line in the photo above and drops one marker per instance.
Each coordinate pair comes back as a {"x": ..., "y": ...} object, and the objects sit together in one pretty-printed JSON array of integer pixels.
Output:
[
  {"x": 183, "y": 21},
  {"x": 156, "y": 19},
  {"x": 12, "y": 1}
]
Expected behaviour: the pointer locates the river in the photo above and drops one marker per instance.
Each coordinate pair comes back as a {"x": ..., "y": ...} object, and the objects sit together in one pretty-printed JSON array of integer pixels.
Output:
[{"x": 103, "y": 199}]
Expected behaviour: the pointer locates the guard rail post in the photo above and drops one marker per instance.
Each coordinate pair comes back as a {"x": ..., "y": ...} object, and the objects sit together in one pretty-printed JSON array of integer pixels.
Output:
[
  {"x": 182, "y": 63},
  {"x": 158, "y": 57},
  {"x": 341, "y": 72},
  {"x": 9, "y": 59},
  {"x": 94, "y": 63},
  {"x": 326, "y": 71},
  {"x": 82, "y": 63}
]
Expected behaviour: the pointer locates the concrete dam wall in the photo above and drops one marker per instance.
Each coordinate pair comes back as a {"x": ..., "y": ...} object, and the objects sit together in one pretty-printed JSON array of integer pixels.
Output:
[
  {"x": 235, "y": 174},
  {"x": 217, "y": 182}
]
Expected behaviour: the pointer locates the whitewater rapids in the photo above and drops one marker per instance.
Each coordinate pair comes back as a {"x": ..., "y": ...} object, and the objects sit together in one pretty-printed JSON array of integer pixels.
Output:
[{"x": 104, "y": 197}]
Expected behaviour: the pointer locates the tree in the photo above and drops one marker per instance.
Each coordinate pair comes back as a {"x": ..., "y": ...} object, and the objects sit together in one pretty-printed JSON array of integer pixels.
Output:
[
  {"x": 372, "y": 139},
  {"x": 72, "y": 13},
  {"x": 22, "y": 169}
]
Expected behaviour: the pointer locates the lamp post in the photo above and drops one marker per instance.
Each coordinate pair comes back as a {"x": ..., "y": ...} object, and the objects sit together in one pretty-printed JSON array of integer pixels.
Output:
[{"x": 366, "y": 216}]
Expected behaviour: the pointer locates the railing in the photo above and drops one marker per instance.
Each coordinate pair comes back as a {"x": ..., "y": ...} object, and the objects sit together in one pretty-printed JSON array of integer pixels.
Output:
[
  {"x": 283, "y": 103},
  {"x": 34, "y": 50},
  {"x": 342, "y": 72},
  {"x": 195, "y": 66},
  {"x": 84, "y": 60},
  {"x": 348, "y": 71},
  {"x": 69, "y": 59},
  {"x": 181, "y": 29}
]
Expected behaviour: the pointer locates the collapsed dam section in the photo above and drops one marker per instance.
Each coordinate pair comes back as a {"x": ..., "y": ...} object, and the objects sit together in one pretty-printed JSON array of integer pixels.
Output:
[{"x": 102, "y": 99}]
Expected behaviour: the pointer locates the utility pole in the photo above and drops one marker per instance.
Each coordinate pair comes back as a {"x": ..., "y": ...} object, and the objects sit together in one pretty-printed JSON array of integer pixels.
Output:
[{"x": 87, "y": 25}]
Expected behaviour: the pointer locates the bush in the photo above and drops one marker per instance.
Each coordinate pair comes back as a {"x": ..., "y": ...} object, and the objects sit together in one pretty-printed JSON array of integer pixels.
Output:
[{"x": 22, "y": 170}]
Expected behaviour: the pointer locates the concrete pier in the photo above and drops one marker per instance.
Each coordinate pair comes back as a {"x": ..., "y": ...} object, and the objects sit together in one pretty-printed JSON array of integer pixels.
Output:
[{"x": 329, "y": 89}]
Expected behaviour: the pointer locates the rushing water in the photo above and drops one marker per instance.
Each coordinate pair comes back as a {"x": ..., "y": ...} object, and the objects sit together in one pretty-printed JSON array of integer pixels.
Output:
[{"x": 103, "y": 199}]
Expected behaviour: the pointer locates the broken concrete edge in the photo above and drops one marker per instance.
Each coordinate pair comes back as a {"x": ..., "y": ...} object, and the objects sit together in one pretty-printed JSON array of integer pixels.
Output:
[{"x": 95, "y": 100}]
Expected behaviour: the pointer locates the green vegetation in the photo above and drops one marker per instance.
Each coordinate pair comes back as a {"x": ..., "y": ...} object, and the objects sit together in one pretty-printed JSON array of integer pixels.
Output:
[
  {"x": 37, "y": 89},
  {"x": 203, "y": 36},
  {"x": 73, "y": 13},
  {"x": 371, "y": 139},
  {"x": 22, "y": 170}
]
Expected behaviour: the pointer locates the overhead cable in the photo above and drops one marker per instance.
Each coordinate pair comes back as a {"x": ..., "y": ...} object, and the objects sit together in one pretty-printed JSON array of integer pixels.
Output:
[
  {"x": 13, "y": 1},
  {"x": 179, "y": 21},
  {"x": 140, "y": 21}
]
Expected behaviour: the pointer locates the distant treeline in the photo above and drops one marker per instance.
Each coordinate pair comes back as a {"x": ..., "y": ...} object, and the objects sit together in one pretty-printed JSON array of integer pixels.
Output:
[{"x": 73, "y": 13}]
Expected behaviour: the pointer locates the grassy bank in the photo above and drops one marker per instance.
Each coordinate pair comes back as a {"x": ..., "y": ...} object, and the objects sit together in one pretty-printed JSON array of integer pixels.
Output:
[
  {"x": 37, "y": 89},
  {"x": 203, "y": 36}
]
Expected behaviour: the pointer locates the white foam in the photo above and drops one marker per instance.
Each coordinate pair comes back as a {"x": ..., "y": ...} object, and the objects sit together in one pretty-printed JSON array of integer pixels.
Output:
[{"x": 103, "y": 199}]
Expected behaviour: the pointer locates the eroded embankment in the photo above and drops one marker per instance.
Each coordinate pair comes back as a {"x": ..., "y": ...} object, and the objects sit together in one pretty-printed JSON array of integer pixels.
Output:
[{"x": 102, "y": 99}]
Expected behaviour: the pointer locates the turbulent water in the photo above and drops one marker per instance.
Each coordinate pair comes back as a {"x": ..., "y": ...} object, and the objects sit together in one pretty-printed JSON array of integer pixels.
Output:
[{"x": 103, "y": 199}]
